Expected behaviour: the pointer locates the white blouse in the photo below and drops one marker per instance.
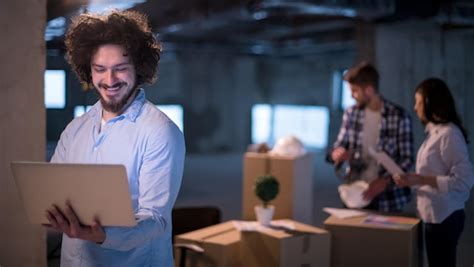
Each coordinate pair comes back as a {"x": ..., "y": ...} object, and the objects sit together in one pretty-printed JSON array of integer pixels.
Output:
[{"x": 443, "y": 154}]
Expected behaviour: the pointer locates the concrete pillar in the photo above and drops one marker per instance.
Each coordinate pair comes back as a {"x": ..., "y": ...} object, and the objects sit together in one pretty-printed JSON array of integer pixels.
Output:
[
  {"x": 22, "y": 118},
  {"x": 365, "y": 41}
]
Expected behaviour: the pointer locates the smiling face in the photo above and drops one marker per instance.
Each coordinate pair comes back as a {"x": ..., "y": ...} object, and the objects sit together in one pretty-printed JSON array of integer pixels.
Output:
[{"x": 114, "y": 77}]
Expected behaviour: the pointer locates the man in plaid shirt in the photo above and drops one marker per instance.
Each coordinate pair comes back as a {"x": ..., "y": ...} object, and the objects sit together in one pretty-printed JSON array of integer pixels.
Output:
[{"x": 377, "y": 123}]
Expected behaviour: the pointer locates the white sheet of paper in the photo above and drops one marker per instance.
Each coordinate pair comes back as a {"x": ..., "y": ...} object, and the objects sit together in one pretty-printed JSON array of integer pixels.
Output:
[
  {"x": 344, "y": 213},
  {"x": 251, "y": 226},
  {"x": 387, "y": 162}
]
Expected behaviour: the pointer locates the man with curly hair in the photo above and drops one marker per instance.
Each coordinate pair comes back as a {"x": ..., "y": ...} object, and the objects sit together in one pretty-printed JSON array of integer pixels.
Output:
[{"x": 115, "y": 53}]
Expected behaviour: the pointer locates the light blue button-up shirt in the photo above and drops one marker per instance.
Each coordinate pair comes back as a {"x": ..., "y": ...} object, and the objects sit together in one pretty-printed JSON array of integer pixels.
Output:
[{"x": 151, "y": 147}]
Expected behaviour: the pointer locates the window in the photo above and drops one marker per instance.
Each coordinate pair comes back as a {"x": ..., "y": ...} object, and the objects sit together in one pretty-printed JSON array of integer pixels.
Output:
[
  {"x": 55, "y": 89},
  {"x": 261, "y": 123},
  {"x": 80, "y": 110},
  {"x": 346, "y": 99},
  {"x": 309, "y": 123},
  {"x": 175, "y": 113},
  {"x": 341, "y": 96}
]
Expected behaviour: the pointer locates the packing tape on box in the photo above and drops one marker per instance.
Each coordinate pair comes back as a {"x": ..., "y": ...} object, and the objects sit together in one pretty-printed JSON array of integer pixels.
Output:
[
  {"x": 306, "y": 244},
  {"x": 267, "y": 165},
  {"x": 202, "y": 239}
]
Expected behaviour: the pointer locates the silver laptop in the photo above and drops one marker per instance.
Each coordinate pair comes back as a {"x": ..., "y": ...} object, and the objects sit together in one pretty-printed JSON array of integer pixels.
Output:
[{"x": 94, "y": 191}]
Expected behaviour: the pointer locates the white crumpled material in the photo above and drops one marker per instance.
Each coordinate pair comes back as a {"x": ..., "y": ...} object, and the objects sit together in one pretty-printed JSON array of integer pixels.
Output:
[
  {"x": 351, "y": 194},
  {"x": 289, "y": 146}
]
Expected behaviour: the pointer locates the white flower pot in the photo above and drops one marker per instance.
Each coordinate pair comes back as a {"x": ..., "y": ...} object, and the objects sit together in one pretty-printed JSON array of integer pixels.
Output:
[{"x": 264, "y": 215}]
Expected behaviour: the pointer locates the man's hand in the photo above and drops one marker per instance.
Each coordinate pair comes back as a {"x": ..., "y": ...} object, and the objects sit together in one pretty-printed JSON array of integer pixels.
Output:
[
  {"x": 376, "y": 187},
  {"x": 68, "y": 223},
  {"x": 339, "y": 154}
]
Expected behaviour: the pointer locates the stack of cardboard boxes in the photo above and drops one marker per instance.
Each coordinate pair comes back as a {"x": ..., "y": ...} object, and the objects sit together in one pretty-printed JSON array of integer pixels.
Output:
[
  {"x": 295, "y": 175},
  {"x": 219, "y": 242},
  {"x": 304, "y": 245},
  {"x": 375, "y": 240},
  {"x": 369, "y": 240},
  {"x": 225, "y": 246}
]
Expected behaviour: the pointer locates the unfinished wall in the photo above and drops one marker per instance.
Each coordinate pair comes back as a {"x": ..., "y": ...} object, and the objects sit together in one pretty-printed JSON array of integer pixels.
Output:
[
  {"x": 218, "y": 90},
  {"x": 22, "y": 116}
]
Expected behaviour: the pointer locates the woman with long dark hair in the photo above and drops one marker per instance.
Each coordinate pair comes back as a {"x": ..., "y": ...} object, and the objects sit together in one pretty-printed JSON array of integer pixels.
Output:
[{"x": 443, "y": 175}]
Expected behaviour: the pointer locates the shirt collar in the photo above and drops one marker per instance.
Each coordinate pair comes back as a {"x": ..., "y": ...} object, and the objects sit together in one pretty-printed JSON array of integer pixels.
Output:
[
  {"x": 430, "y": 127},
  {"x": 131, "y": 112},
  {"x": 383, "y": 110},
  {"x": 134, "y": 109}
]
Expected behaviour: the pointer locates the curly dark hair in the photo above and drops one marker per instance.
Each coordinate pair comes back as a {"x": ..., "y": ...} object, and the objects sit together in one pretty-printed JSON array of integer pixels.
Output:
[{"x": 129, "y": 29}]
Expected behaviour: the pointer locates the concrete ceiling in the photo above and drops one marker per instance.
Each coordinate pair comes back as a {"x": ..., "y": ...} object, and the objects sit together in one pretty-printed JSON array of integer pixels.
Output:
[{"x": 263, "y": 26}]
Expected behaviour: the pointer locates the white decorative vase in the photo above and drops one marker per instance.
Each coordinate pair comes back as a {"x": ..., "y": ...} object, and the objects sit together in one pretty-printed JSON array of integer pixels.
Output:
[{"x": 264, "y": 215}]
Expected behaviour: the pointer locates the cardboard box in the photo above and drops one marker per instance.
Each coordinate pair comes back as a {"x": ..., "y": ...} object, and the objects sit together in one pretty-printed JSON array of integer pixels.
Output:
[
  {"x": 304, "y": 246},
  {"x": 295, "y": 175},
  {"x": 220, "y": 243},
  {"x": 375, "y": 240}
]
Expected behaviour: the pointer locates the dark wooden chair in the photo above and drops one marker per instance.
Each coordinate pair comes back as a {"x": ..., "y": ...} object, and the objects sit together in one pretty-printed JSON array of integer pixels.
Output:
[{"x": 187, "y": 219}]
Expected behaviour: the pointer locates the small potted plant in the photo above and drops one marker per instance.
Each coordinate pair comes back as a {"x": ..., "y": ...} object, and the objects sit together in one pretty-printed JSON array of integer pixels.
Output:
[{"x": 266, "y": 189}]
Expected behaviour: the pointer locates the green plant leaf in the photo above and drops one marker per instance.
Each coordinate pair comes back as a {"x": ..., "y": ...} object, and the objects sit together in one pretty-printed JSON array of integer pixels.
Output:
[{"x": 266, "y": 188}]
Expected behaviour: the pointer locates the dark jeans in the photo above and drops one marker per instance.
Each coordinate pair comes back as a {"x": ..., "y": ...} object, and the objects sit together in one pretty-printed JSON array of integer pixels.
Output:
[{"x": 441, "y": 240}]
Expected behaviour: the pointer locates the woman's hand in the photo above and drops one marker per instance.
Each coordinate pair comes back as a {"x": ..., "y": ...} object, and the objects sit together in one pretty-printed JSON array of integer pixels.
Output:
[{"x": 407, "y": 179}]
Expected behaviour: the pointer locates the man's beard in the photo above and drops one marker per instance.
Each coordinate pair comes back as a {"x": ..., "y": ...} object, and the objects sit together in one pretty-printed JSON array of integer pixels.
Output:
[
  {"x": 118, "y": 106},
  {"x": 362, "y": 103}
]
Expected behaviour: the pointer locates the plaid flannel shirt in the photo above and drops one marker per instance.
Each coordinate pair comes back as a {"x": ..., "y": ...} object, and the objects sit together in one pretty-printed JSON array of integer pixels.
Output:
[{"x": 395, "y": 139}]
